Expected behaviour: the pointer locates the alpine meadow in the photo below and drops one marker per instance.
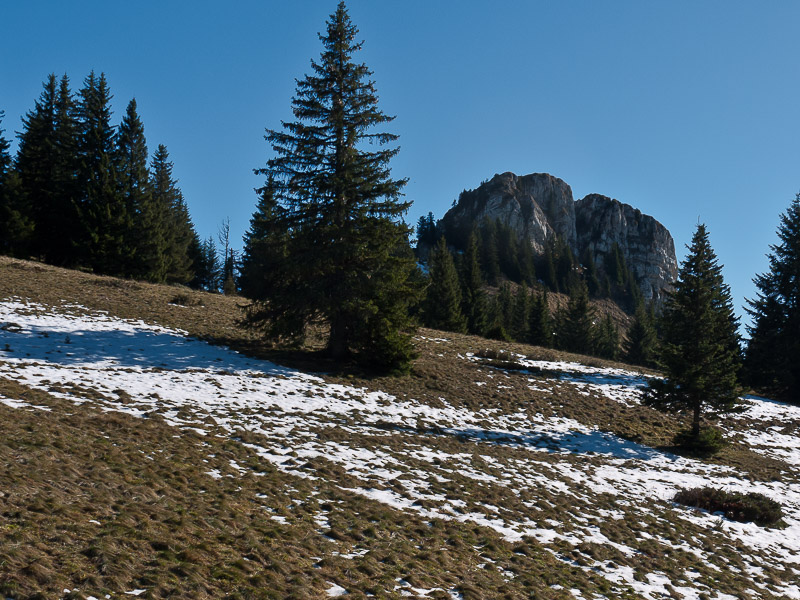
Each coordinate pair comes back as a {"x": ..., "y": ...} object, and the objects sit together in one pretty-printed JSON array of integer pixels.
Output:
[{"x": 433, "y": 372}]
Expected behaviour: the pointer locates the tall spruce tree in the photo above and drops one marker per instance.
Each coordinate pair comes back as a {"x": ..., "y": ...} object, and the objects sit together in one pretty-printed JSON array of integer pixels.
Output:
[
  {"x": 576, "y": 322},
  {"x": 106, "y": 218},
  {"x": 264, "y": 246},
  {"x": 176, "y": 265},
  {"x": 487, "y": 244},
  {"x": 442, "y": 308},
  {"x": 36, "y": 165},
  {"x": 520, "y": 315},
  {"x": 641, "y": 344},
  {"x": 606, "y": 342},
  {"x": 146, "y": 237},
  {"x": 348, "y": 260},
  {"x": 772, "y": 358},
  {"x": 540, "y": 331},
  {"x": 700, "y": 351},
  {"x": 474, "y": 304},
  {"x": 207, "y": 267},
  {"x": 16, "y": 227}
]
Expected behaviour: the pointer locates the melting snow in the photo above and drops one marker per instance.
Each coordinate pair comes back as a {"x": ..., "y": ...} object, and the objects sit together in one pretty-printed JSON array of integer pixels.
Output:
[{"x": 142, "y": 369}]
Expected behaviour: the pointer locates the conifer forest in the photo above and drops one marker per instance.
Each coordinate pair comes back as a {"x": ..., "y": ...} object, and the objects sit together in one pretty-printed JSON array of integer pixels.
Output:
[{"x": 509, "y": 400}]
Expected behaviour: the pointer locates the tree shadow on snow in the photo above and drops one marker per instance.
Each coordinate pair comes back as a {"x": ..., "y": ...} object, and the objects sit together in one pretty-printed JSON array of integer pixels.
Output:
[
  {"x": 125, "y": 348},
  {"x": 573, "y": 442}
]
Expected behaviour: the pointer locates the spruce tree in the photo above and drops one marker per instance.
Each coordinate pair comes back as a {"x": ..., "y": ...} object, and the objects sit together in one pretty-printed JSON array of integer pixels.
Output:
[
  {"x": 520, "y": 314},
  {"x": 606, "y": 343},
  {"x": 474, "y": 304},
  {"x": 16, "y": 227},
  {"x": 264, "y": 246},
  {"x": 348, "y": 260},
  {"x": 105, "y": 215},
  {"x": 505, "y": 307},
  {"x": 540, "y": 332},
  {"x": 641, "y": 345},
  {"x": 146, "y": 236},
  {"x": 700, "y": 352},
  {"x": 442, "y": 308},
  {"x": 487, "y": 243},
  {"x": 576, "y": 322},
  {"x": 207, "y": 268},
  {"x": 36, "y": 165},
  {"x": 175, "y": 264},
  {"x": 772, "y": 359}
]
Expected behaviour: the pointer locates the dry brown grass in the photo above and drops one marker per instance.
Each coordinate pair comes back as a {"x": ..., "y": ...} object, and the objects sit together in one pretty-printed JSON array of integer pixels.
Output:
[{"x": 165, "y": 525}]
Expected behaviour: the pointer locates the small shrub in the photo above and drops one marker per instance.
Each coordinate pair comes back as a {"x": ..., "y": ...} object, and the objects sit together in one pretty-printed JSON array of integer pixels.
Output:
[
  {"x": 498, "y": 332},
  {"x": 709, "y": 441},
  {"x": 752, "y": 507}
]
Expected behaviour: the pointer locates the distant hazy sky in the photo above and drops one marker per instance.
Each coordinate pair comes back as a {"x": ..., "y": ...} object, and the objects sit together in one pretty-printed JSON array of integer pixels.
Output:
[{"x": 686, "y": 110}]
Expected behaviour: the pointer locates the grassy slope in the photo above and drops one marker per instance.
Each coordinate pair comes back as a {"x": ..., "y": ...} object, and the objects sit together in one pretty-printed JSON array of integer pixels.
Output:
[{"x": 169, "y": 528}]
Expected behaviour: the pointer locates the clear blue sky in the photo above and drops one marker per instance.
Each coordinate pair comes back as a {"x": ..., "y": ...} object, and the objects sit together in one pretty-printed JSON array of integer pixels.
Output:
[{"x": 686, "y": 110}]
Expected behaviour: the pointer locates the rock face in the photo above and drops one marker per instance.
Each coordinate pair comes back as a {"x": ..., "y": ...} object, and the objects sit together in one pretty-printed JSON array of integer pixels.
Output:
[
  {"x": 537, "y": 206},
  {"x": 646, "y": 244},
  {"x": 540, "y": 207}
]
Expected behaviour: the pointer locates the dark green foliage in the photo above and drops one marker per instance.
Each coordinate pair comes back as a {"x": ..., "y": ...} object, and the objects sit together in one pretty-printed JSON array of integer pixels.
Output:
[
  {"x": 487, "y": 244},
  {"x": 700, "y": 351},
  {"x": 106, "y": 217},
  {"x": 178, "y": 232},
  {"x": 47, "y": 165},
  {"x": 147, "y": 236},
  {"x": 507, "y": 251},
  {"x": 575, "y": 323},
  {"x": 641, "y": 345},
  {"x": 86, "y": 191},
  {"x": 16, "y": 227},
  {"x": 442, "y": 308},
  {"x": 264, "y": 246},
  {"x": 520, "y": 314},
  {"x": 752, "y": 507},
  {"x": 772, "y": 359},
  {"x": 527, "y": 270},
  {"x": 502, "y": 308},
  {"x": 427, "y": 232},
  {"x": 207, "y": 266},
  {"x": 348, "y": 262},
  {"x": 606, "y": 342},
  {"x": 548, "y": 269},
  {"x": 474, "y": 303},
  {"x": 706, "y": 443},
  {"x": 540, "y": 331},
  {"x": 590, "y": 274}
]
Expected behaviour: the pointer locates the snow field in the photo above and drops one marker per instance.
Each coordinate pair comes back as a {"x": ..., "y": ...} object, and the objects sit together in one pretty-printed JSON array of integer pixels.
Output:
[{"x": 402, "y": 450}]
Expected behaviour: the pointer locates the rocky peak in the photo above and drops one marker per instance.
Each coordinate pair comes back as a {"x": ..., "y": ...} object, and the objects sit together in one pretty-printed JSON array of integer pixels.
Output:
[
  {"x": 646, "y": 244},
  {"x": 540, "y": 207},
  {"x": 537, "y": 206}
]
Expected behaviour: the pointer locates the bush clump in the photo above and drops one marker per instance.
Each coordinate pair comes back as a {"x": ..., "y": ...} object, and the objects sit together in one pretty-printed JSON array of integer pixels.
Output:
[
  {"x": 706, "y": 443},
  {"x": 745, "y": 508}
]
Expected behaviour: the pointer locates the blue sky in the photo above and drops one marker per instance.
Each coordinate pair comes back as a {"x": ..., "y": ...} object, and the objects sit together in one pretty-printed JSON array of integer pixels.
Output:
[{"x": 686, "y": 110}]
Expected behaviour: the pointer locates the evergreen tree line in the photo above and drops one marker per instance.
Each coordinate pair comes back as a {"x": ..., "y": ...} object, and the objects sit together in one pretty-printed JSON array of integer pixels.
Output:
[
  {"x": 458, "y": 299},
  {"x": 80, "y": 191},
  {"x": 502, "y": 255}
]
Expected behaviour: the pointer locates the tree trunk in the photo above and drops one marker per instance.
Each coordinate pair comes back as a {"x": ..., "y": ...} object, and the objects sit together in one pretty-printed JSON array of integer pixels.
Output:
[
  {"x": 696, "y": 420},
  {"x": 337, "y": 341}
]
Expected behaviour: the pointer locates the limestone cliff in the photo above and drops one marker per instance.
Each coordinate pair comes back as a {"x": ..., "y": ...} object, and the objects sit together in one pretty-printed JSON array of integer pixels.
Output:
[{"x": 540, "y": 207}]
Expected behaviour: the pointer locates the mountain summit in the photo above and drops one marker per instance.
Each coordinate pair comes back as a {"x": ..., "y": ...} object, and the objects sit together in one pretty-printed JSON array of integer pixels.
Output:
[{"x": 540, "y": 208}]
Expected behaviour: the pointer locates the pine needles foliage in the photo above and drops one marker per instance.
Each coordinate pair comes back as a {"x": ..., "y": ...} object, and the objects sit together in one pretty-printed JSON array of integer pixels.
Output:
[
  {"x": 700, "y": 351},
  {"x": 348, "y": 263},
  {"x": 772, "y": 359}
]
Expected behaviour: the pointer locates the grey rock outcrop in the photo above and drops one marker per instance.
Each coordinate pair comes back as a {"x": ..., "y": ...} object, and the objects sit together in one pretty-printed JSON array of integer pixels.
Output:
[
  {"x": 646, "y": 244},
  {"x": 537, "y": 206},
  {"x": 540, "y": 207}
]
